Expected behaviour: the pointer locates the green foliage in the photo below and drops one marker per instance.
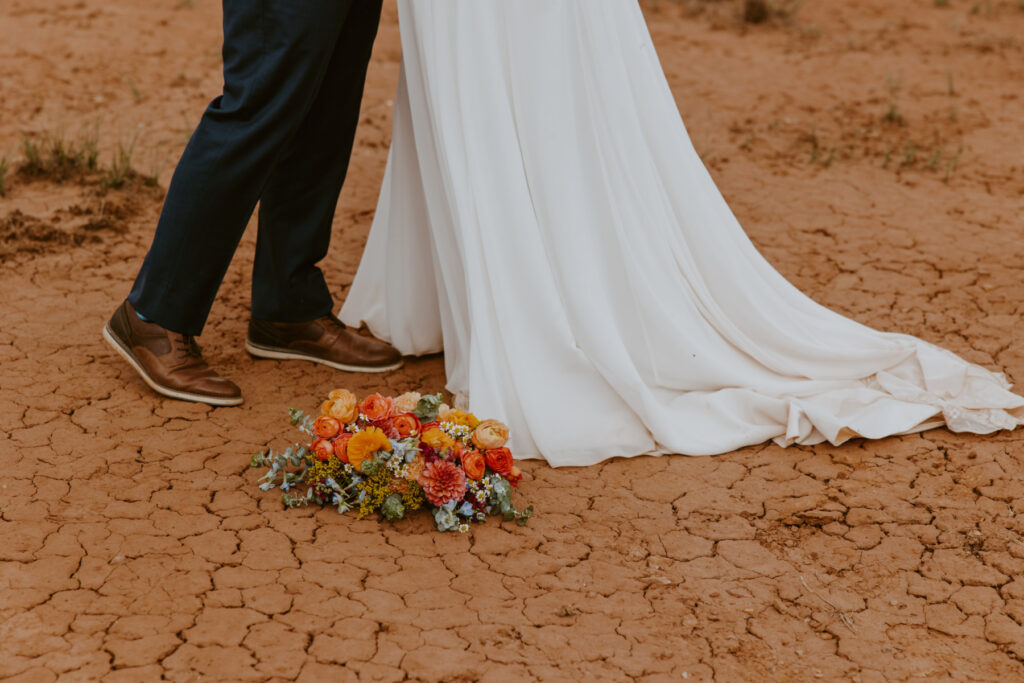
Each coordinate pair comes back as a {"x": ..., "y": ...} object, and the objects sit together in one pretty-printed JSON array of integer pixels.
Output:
[
  {"x": 393, "y": 507},
  {"x": 428, "y": 407}
]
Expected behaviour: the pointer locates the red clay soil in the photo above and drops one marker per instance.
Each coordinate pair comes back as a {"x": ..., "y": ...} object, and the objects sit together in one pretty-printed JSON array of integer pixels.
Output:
[{"x": 872, "y": 150}]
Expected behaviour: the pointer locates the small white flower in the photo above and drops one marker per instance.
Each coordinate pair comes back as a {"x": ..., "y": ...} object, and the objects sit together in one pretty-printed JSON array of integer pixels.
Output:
[{"x": 463, "y": 528}]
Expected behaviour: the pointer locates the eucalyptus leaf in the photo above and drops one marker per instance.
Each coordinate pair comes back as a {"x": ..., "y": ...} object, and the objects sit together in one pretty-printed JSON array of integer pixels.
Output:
[{"x": 428, "y": 407}]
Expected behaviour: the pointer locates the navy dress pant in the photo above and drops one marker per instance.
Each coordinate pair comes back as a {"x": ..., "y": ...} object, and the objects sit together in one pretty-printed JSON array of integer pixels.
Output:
[{"x": 281, "y": 134}]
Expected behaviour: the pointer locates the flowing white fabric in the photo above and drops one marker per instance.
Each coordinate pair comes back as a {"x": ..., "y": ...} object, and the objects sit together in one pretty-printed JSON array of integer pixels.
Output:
[{"x": 546, "y": 221}]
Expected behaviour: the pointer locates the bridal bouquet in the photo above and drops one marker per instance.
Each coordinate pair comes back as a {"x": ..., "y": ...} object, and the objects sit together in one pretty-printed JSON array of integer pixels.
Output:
[{"x": 393, "y": 455}]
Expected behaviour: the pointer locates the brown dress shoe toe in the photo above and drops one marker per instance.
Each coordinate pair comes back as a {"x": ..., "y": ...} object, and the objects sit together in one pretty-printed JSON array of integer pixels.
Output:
[
  {"x": 170, "y": 363},
  {"x": 324, "y": 340}
]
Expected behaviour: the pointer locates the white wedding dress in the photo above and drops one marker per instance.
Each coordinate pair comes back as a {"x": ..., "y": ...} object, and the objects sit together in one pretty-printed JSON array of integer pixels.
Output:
[{"x": 546, "y": 222}]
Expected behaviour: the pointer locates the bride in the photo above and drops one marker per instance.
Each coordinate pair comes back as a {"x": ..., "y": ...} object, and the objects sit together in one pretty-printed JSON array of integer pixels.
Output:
[{"x": 546, "y": 222}]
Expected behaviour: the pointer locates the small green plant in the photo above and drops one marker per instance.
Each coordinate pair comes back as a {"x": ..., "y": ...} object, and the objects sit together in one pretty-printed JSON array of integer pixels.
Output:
[
  {"x": 59, "y": 158},
  {"x": 89, "y": 148},
  {"x": 893, "y": 115},
  {"x": 952, "y": 164},
  {"x": 935, "y": 159},
  {"x": 61, "y": 153},
  {"x": 121, "y": 171},
  {"x": 135, "y": 90},
  {"x": 894, "y": 84},
  {"x": 33, "y": 155},
  {"x": 909, "y": 153},
  {"x": 153, "y": 178},
  {"x": 812, "y": 138},
  {"x": 760, "y": 11},
  {"x": 3, "y": 176},
  {"x": 755, "y": 11}
]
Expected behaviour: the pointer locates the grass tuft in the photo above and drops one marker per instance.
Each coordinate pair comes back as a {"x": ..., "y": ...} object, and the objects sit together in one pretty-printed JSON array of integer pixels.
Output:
[
  {"x": 761, "y": 11},
  {"x": 33, "y": 155},
  {"x": 952, "y": 164},
  {"x": 893, "y": 115},
  {"x": 121, "y": 170}
]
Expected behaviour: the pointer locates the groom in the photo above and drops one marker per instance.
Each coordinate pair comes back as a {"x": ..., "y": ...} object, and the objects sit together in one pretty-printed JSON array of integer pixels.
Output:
[{"x": 281, "y": 134}]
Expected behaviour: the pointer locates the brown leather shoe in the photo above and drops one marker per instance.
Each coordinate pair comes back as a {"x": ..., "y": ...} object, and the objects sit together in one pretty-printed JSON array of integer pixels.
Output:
[
  {"x": 325, "y": 340},
  {"x": 170, "y": 363}
]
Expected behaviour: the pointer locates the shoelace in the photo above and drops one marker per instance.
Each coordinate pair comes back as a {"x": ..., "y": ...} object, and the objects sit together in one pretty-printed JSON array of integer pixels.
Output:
[
  {"x": 189, "y": 345},
  {"x": 192, "y": 347}
]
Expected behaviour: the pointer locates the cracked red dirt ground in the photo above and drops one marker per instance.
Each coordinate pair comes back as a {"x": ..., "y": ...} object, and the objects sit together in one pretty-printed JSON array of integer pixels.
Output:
[{"x": 872, "y": 150}]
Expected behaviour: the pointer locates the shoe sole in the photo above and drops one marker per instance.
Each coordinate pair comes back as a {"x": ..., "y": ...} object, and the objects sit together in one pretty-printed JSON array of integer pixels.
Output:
[
  {"x": 108, "y": 335},
  {"x": 277, "y": 354}
]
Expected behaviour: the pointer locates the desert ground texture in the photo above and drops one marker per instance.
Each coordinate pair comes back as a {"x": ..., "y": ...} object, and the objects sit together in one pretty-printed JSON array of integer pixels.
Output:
[{"x": 873, "y": 150}]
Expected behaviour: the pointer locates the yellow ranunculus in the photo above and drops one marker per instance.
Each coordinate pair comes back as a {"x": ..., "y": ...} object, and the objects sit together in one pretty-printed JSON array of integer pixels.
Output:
[
  {"x": 437, "y": 439},
  {"x": 463, "y": 418},
  {"x": 365, "y": 444}
]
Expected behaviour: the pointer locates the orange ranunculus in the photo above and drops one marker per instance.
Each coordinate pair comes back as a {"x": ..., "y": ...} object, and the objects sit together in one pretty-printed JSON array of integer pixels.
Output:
[
  {"x": 343, "y": 406},
  {"x": 322, "y": 449},
  {"x": 406, "y": 425},
  {"x": 458, "y": 448},
  {"x": 326, "y": 427},
  {"x": 500, "y": 460},
  {"x": 437, "y": 439},
  {"x": 376, "y": 407},
  {"x": 365, "y": 444},
  {"x": 514, "y": 476},
  {"x": 474, "y": 464},
  {"x": 490, "y": 434},
  {"x": 341, "y": 446}
]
